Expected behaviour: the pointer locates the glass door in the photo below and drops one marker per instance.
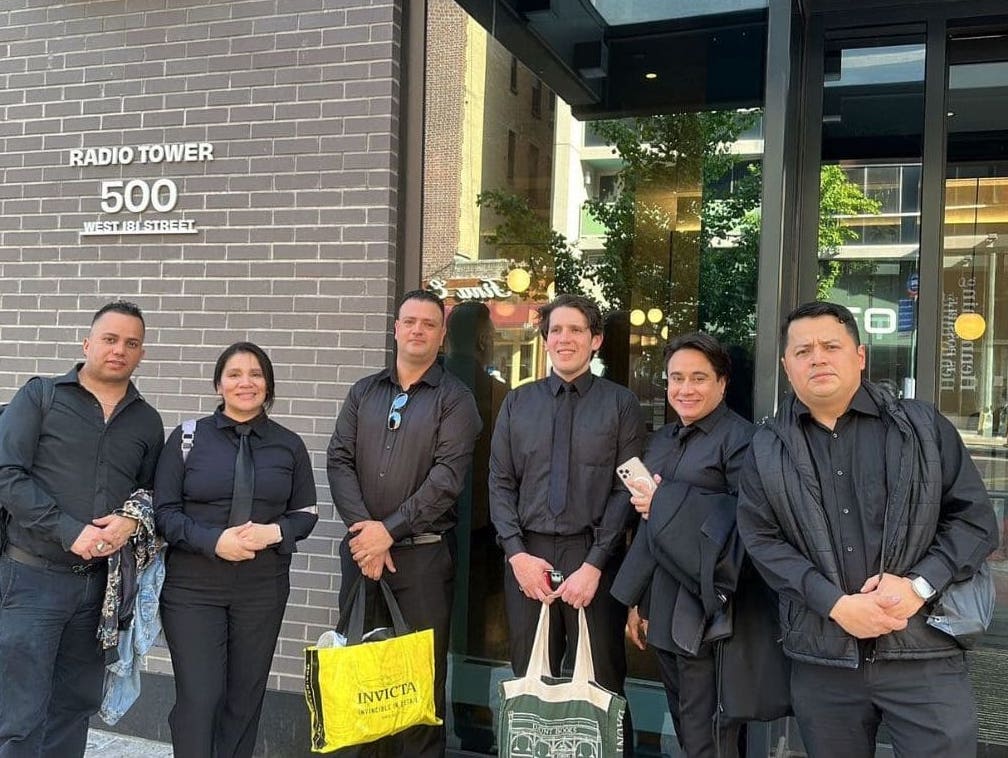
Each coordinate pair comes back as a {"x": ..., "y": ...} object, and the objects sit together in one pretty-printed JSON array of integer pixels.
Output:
[
  {"x": 973, "y": 340},
  {"x": 868, "y": 237}
]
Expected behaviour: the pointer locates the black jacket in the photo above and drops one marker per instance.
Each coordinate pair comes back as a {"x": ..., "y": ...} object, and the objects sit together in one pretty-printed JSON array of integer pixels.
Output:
[
  {"x": 781, "y": 511},
  {"x": 688, "y": 554},
  {"x": 687, "y": 571}
]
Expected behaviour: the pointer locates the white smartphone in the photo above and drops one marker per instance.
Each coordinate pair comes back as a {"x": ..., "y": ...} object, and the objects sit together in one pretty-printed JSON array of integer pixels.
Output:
[{"x": 634, "y": 474}]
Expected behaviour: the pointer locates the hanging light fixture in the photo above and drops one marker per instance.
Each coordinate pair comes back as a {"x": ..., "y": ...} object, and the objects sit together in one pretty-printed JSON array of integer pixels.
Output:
[
  {"x": 518, "y": 280},
  {"x": 970, "y": 326}
]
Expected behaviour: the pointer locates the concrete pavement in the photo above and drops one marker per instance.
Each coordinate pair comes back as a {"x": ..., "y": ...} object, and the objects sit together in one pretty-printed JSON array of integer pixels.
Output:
[{"x": 110, "y": 745}]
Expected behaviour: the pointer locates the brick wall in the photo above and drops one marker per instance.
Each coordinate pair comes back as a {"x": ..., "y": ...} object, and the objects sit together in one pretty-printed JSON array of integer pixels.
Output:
[
  {"x": 444, "y": 108},
  {"x": 296, "y": 211}
]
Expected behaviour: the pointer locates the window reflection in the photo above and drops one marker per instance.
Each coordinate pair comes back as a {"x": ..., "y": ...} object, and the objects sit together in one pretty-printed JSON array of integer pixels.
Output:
[
  {"x": 973, "y": 350},
  {"x": 869, "y": 199},
  {"x": 655, "y": 217}
]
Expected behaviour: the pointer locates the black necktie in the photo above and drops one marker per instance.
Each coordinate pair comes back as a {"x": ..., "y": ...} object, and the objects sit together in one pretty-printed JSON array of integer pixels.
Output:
[
  {"x": 671, "y": 467},
  {"x": 244, "y": 479},
  {"x": 560, "y": 456}
]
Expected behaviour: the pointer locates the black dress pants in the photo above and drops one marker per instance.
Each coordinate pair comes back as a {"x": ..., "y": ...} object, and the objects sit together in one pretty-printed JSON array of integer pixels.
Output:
[
  {"x": 424, "y": 586},
  {"x": 691, "y": 688},
  {"x": 221, "y": 621},
  {"x": 605, "y": 615},
  {"x": 927, "y": 706}
]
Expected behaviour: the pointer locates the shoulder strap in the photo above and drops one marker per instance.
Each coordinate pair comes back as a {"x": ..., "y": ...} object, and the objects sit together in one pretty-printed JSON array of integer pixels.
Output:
[
  {"x": 48, "y": 393},
  {"x": 188, "y": 436}
]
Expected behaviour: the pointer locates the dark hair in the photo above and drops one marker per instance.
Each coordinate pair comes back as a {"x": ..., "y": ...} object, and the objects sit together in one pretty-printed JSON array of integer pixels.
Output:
[
  {"x": 125, "y": 307},
  {"x": 704, "y": 343},
  {"x": 467, "y": 322},
  {"x": 426, "y": 295},
  {"x": 587, "y": 307},
  {"x": 818, "y": 308},
  {"x": 264, "y": 363}
]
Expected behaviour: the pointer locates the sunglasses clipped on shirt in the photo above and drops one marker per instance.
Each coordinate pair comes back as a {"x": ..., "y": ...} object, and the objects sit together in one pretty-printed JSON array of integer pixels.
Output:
[{"x": 394, "y": 416}]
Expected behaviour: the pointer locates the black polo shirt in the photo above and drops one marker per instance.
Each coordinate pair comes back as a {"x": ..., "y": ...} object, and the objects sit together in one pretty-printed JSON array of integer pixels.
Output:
[
  {"x": 607, "y": 430},
  {"x": 408, "y": 478},
  {"x": 192, "y": 500},
  {"x": 61, "y": 471}
]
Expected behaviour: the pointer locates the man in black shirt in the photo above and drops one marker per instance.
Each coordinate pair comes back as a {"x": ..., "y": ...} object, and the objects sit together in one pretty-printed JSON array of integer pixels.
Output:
[
  {"x": 397, "y": 462},
  {"x": 554, "y": 497},
  {"x": 860, "y": 510},
  {"x": 72, "y": 449}
]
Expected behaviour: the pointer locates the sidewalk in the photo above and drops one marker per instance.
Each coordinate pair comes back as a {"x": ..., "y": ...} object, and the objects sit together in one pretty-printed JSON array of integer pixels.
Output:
[{"x": 110, "y": 745}]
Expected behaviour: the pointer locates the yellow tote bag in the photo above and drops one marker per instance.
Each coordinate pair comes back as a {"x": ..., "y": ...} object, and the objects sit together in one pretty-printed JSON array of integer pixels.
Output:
[{"x": 368, "y": 690}]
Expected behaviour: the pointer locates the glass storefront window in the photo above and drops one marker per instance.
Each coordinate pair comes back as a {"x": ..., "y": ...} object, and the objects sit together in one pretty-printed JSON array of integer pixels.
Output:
[
  {"x": 655, "y": 217},
  {"x": 869, "y": 202},
  {"x": 973, "y": 345}
]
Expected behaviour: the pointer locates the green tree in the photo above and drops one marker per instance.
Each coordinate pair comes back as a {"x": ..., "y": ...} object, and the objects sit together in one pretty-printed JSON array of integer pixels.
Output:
[
  {"x": 709, "y": 279},
  {"x": 838, "y": 197},
  {"x": 674, "y": 167},
  {"x": 526, "y": 240},
  {"x": 661, "y": 155}
]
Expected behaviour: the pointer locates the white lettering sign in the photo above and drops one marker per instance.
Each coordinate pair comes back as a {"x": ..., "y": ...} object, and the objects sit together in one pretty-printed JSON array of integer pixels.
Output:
[
  {"x": 949, "y": 344},
  {"x": 175, "y": 152},
  {"x": 877, "y": 320},
  {"x": 488, "y": 289},
  {"x": 139, "y": 196}
]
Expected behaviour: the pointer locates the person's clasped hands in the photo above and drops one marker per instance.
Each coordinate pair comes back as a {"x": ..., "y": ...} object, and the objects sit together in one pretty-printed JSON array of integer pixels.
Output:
[{"x": 243, "y": 541}]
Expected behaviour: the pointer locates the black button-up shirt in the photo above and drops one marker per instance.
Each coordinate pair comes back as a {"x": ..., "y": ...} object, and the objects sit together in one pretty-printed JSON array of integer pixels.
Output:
[
  {"x": 192, "y": 499},
  {"x": 61, "y": 471},
  {"x": 408, "y": 478},
  {"x": 707, "y": 454},
  {"x": 853, "y": 486},
  {"x": 607, "y": 430}
]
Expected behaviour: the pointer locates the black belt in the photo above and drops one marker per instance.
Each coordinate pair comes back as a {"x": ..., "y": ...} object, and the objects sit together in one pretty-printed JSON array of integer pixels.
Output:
[
  {"x": 428, "y": 538},
  {"x": 30, "y": 559}
]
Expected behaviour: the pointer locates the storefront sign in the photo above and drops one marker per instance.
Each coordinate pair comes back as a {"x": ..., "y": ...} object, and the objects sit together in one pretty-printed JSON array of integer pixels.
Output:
[
  {"x": 958, "y": 362},
  {"x": 140, "y": 197},
  {"x": 949, "y": 343},
  {"x": 967, "y": 373},
  {"x": 877, "y": 320},
  {"x": 487, "y": 289}
]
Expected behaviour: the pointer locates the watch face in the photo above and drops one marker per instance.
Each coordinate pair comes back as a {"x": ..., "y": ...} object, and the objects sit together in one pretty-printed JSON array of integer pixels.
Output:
[{"x": 922, "y": 587}]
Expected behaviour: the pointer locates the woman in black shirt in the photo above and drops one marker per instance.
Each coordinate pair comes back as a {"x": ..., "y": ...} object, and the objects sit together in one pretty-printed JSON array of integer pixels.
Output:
[{"x": 230, "y": 545}]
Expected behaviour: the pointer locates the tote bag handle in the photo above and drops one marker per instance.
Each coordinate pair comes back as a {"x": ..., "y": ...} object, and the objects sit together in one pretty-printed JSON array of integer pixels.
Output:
[
  {"x": 584, "y": 665},
  {"x": 354, "y": 628}
]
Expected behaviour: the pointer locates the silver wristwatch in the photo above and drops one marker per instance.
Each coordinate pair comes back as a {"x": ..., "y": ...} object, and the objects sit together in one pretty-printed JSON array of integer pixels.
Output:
[{"x": 922, "y": 587}]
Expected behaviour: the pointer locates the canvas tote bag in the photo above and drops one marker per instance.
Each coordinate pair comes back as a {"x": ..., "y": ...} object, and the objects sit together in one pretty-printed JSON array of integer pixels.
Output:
[{"x": 542, "y": 715}]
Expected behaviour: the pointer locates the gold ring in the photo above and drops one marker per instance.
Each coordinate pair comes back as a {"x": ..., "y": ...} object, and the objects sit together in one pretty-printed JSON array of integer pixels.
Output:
[{"x": 100, "y": 546}]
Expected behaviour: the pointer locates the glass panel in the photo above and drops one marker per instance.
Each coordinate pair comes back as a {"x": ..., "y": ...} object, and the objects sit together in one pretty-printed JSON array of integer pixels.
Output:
[
  {"x": 869, "y": 201},
  {"x": 655, "y": 217},
  {"x": 973, "y": 354},
  {"x": 637, "y": 11}
]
